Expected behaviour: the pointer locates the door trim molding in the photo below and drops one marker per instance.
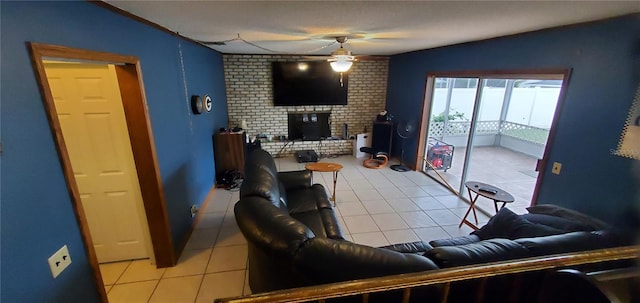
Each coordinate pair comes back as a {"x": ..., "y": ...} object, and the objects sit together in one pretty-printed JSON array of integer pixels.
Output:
[{"x": 129, "y": 76}]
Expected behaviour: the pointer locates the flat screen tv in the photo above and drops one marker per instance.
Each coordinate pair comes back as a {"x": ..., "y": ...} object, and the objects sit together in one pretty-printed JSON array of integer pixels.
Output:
[
  {"x": 309, "y": 126},
  {"x": 307, "y": 83}
]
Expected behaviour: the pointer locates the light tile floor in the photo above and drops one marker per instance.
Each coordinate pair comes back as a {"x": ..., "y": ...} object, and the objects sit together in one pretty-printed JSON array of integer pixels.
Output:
[{"x": 375, "y": 206}]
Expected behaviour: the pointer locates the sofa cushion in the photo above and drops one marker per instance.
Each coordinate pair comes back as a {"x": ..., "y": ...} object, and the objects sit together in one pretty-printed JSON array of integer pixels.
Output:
[
  {"x": 296, "y": 179},
  {"x": 307, "y": 199},
  {"x": 492, "y": 250},
  {"x": 261, "y": 183},
  {"x": 559, "y": 211},
  {"x": 569, "y": 242},
  {"x": 261, "y": 178},
  {"x": 312, "y": 220},
  {"x": 261, "y": 159},
  {"x": 411, "y": 247},
  {"x": 301, "y": 200},
  {"x": 455, "y": 241},
  {"x": 327, "y": 260},
  {"x": 506, "y": 224},
  {"x": 270, "y": 228},
  {"x": 557, "y": 222}
]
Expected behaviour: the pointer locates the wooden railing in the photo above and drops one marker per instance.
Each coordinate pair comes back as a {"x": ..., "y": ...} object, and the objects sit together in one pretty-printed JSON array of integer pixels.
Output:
[{"x": 444, "y": 277}]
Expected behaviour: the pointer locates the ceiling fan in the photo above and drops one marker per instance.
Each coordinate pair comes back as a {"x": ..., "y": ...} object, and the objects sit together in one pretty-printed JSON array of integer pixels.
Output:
[{"x": 341, "y": 59}]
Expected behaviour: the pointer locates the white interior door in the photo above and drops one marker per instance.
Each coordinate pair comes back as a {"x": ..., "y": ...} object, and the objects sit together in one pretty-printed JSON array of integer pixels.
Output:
[{"x": 89, "y": 107}]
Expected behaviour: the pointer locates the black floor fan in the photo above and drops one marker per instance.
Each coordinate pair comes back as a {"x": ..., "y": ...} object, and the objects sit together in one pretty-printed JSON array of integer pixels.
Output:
[{"x": 405, "y": 130}]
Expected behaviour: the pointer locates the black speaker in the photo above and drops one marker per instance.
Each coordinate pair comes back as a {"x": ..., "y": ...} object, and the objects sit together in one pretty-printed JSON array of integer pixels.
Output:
[
  {"x": 381, "y": 136},
  {"x": 345, "y": 132}
]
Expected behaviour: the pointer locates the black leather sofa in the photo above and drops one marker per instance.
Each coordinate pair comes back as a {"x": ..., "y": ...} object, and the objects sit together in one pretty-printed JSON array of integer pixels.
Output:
[
  {"x": 509, "y": 236},
  {"x": 294, "y": 238}
]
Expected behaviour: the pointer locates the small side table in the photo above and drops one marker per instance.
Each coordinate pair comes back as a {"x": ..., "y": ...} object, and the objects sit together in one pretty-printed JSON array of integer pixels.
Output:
[
  {"x": 327, "y": 167},
  {"x": 483, "y": 189}
]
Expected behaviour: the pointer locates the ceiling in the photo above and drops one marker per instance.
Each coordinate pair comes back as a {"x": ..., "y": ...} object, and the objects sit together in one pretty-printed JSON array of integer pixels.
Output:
[{"x": 376, "y": 27}]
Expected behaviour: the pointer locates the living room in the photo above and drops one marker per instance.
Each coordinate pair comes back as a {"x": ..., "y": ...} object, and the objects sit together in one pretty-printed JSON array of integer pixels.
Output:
[{"x": 36, "y": 221}]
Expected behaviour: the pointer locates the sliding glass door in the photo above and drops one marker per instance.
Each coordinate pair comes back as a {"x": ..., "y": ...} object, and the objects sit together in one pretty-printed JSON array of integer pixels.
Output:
[{"x": 489, "y": 129}]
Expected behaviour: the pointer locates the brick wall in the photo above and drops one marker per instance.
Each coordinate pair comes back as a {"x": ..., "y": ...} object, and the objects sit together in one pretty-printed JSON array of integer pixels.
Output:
[{"x": 249, "y": 97}]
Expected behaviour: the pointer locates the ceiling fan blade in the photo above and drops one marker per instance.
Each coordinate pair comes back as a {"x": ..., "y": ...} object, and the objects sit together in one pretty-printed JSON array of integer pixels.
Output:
[
  {"x": 272, "y": 42},
  {"x": 316, "y": 58},
  {"x": 263, "y": 38},
  {"x": 371, "y": 58}
]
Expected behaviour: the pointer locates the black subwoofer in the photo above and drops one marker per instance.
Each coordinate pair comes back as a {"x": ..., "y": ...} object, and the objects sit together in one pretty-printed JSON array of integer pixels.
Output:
[{"x": 381, "y": 137}]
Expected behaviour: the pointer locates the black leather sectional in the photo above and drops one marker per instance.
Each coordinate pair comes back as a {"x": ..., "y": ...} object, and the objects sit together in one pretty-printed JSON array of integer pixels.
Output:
[{"x": 294, "y": 238}]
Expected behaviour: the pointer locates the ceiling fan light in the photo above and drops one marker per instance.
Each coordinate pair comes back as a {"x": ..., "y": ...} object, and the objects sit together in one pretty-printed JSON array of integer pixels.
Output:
[
  {"x": 341, "y": 66},
  {"x": 303, "y": 66}
]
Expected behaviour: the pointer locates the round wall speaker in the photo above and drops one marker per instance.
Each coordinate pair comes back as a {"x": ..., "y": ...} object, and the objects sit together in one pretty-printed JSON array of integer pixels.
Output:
[{"x": 196, "y": 104}]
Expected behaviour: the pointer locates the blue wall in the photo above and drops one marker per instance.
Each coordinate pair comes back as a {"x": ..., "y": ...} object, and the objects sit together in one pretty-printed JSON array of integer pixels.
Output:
[
  {"x": 605, "y": 61},
  {"x": 36, "y": 215}
]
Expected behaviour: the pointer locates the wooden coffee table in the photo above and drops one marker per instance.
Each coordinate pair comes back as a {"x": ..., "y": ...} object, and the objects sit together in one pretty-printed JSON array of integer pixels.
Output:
[
  {"x": 327, "y": 167},
  {"x": 488, "y": 191}
]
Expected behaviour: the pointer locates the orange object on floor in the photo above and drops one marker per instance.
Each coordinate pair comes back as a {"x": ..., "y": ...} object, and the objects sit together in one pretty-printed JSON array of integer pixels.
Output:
[{"x": 376, "y": 161}]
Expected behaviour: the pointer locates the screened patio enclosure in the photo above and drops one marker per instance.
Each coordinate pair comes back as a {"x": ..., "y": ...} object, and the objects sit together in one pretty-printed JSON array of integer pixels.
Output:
[{"x": 492, "y": 130}]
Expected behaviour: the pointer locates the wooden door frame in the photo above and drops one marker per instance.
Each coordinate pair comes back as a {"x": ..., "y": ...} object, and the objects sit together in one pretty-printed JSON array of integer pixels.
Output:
[
  {"x": 129, "y": 76},
  {"x": 540, "y": 73}
]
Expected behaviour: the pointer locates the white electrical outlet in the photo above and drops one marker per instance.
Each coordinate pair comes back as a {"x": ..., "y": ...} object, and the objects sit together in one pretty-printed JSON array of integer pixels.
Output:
[
  {"x": 557, "y": 166},
  {"x": 59, "y": 261}
]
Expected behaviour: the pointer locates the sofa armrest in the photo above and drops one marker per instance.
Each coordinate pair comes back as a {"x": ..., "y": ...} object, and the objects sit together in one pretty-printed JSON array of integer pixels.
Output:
[{"x": 297, "y": 179}]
